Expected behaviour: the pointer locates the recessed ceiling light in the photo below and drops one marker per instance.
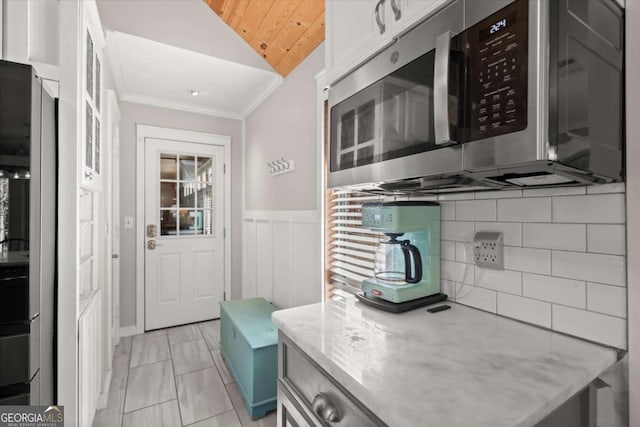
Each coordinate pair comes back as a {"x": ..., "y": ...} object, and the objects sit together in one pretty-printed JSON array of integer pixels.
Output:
[{"x": 194, "y": 92}]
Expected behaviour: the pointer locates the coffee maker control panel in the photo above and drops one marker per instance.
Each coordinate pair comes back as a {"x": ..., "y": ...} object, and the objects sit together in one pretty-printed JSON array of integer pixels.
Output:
[{"x": 399, "y": 217}]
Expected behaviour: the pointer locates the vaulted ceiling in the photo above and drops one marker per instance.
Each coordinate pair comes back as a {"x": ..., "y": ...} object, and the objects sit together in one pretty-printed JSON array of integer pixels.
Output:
[{"x": 283, "y": 32}]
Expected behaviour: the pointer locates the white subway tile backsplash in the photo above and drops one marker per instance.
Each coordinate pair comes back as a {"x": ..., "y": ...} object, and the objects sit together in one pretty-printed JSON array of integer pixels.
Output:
[
  {"x": 534, "y": 209},
  {"x": 458, "y": 231},
  {"x": 484, "y": 299},
  {"x": 564, "y": 257},
  {"x": 609, "y": 269},
  {"x": 617, "y": 187},
  {"x": 554, "y": 289},
  {"x": 499, "y": 280},
  {"x": 599, "y": 208},
  {"x": 448, "y": 288},
  {"x": 448, "y": 250},
  {"x": 448, "y": 211},
  {"x": 476, "y": 210},
  {"x": 570, "y": 237},
  {"x": 525, "y": 309},
  {"x": 511, "y": 231},
  {"x": 456, "y": 272},
  {"x": 606, "y": 239},
  {"x": 464, "y": 252},
  {"x": 527, "y": 260},
  {"x": 554, "y": 191},
  {"x": 499, "y": 194},
  {"x": 607, "y": 299},
  {"x": 591, "y": 326}
]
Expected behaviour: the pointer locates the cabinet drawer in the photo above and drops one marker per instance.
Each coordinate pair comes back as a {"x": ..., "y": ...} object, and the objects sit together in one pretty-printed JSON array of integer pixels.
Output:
[{"x": 308, "y": 382}]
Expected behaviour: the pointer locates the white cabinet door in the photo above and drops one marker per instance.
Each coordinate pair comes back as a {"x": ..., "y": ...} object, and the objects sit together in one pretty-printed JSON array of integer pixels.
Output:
[
  {"x": 356, "y": 29},
  {"x": 415, "y": 11}
]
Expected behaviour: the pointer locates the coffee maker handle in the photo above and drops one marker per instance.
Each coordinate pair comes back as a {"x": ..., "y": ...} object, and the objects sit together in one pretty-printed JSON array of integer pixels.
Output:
[{"x": 408, "y": 250}]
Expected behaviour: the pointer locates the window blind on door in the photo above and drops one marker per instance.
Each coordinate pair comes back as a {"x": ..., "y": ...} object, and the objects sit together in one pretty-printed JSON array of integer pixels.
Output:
[{"x": 350, "y": 247}]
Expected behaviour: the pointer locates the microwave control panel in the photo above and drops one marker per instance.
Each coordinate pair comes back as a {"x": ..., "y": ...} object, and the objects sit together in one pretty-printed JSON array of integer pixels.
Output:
[{"x": 498, "y": 55}]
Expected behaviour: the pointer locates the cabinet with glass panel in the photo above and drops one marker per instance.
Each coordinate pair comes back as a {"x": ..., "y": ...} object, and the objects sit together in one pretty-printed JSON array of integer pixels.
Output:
[{"x": 93, "y": 43}]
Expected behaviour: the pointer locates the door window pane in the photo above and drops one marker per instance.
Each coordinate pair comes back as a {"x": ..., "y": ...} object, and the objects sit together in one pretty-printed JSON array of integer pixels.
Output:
[
  {"x": 88, "y": 160},
  {"x": 168, "y": 166},
  {"x": 168, "y": 195},
  {"x": 205, "y": 196},
  {"x": 168, "y": 220},
  {"x": 97, "y": 146},
  {"x": 207, "y": 222},
  {"x": 188, "y": 191},
  {"x": 205, "y": 169},
  {"x": 187, "y": 222},
  {"x": 187, "y": 168}
]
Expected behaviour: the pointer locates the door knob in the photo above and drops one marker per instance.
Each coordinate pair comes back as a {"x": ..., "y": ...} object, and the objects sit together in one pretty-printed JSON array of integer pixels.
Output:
[
  {"x": 151, "y": 244},
  {"x": 324, "y": 408},
  {"x": 115, "y": 256}
]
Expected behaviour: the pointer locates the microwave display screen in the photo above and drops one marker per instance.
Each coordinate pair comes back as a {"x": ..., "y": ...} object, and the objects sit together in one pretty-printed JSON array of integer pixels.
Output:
[{"x": 498, "y": 26}]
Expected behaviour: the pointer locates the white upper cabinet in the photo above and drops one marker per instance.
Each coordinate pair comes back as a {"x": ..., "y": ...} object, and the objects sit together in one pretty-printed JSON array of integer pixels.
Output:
[
  {"x": 30, "y": 34},
  {"x": 358, "y": 29}
]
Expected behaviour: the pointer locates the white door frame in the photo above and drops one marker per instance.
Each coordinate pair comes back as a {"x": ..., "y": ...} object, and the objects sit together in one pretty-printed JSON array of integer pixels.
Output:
[
  {"x": 113, "y": 221},
  {"x": 143, "y": 132}
]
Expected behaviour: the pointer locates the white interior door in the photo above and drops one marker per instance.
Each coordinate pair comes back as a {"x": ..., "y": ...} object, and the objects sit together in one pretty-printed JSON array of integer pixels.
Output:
[{"x": 184, "y": 226}]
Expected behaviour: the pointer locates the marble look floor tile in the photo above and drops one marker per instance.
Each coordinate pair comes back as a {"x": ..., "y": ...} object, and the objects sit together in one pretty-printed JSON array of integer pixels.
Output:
[
  {"x": 269, "y": 420},
  {"x": 152, "y": 333},
  {"x": 162, "y": 415},
  {"x": 190, "y": 356},
  {"x": 211, "y": 333},
  {"x": 184, "y": 333},
  {"x": 149, "y": 349},
  {"x": 222, "y": 367},
  {"x": 228, "y": 419},
  {"x": 149, "y": 385},
  {"x": 112, "y": 414},
  {"x": 124, "y": 346},
  {"x": 201, "y": 395},
  {"x": 120, "y": 372}
]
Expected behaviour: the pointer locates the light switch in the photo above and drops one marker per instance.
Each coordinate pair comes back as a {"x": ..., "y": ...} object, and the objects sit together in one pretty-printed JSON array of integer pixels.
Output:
[{"x": 128, "y": 222}]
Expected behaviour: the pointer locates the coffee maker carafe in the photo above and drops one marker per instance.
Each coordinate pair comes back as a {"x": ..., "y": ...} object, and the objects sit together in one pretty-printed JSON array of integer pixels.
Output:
[{"x": 407, "y": 259}]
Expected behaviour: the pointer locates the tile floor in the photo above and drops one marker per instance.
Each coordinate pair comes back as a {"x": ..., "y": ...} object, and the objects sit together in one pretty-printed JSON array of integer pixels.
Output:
[{"x": 172, "y": 378}]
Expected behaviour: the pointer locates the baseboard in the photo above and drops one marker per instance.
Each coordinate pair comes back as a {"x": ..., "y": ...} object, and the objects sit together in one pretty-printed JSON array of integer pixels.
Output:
[
  {"x": 103, "y": 398},
  {"x": 128, "y": 331}
]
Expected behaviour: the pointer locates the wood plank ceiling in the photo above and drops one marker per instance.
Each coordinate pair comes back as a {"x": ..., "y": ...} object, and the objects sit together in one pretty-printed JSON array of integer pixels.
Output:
[{"x": 283, "y": 32}]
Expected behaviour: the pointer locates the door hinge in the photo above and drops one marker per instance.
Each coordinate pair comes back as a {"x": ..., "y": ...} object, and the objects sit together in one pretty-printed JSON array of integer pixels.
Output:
[
  {"x": 224, "y": 233},
  {"x": 224, "y": 168},
  {"x": 224, "y": 296}
]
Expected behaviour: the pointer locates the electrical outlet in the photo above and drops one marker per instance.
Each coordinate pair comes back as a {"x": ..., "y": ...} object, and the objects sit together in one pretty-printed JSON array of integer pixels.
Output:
[{"x": 488, "y": 251}]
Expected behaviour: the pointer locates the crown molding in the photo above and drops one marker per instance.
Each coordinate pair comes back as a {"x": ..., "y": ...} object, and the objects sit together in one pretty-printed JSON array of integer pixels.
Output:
[
  {"x": 158, "y": 102},
  {"x": 263, "y": 96}
]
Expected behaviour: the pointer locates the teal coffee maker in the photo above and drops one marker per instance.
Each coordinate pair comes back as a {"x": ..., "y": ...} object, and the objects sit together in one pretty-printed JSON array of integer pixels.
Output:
[{"x": 407, "y": 259}]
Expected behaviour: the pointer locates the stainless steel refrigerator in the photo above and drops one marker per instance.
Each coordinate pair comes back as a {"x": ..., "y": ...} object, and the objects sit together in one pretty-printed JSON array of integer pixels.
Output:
[{"x": 27, "y": 237}]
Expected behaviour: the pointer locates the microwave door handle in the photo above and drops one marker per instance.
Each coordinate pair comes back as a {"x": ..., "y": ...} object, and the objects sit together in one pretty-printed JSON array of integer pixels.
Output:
[{"x": 441, "y": 89}]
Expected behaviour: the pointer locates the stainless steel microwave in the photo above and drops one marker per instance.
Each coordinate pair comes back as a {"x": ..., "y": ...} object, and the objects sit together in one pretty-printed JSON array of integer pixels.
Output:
[{"x": 486, "y": 94}]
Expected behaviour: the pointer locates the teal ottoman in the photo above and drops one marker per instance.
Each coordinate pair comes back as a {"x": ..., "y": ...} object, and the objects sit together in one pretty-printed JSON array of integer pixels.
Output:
[{"x": 249, "y": 345}]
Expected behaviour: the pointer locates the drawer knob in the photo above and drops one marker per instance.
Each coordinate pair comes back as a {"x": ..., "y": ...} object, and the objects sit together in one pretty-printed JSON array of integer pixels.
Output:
[{"x": 323, "y": 408}]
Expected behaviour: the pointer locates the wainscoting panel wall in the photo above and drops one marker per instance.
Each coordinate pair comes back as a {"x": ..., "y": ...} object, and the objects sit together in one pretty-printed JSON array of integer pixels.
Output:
[
  {"x": 281, "y": 257},
  {"x": 89, "y": 349}
]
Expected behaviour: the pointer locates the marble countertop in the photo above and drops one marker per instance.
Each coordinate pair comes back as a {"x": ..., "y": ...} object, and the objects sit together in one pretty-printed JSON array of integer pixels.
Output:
[{"x": 459, "y": 367}]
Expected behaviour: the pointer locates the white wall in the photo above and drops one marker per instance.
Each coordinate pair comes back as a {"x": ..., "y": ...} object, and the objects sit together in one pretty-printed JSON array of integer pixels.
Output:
[
  {"x": 284, "y": 125},
  {"x": 133, "y": 114},
  {"x": 633, "y": 205},
  {"x": 281, "y": 219}
]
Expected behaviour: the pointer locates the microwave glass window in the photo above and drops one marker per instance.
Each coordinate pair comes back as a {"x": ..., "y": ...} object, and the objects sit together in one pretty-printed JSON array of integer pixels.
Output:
[
  {"x": 347, "y": 129},
  {"x": 391, "y": 118},
  {"x": 366, "y": 122}
]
